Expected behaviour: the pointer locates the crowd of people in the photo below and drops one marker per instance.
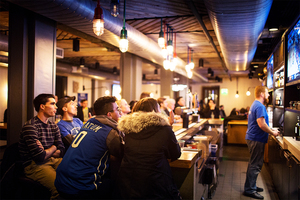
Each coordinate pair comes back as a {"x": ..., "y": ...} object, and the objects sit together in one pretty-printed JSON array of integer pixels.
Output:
[{"x": 116, "y": 150}]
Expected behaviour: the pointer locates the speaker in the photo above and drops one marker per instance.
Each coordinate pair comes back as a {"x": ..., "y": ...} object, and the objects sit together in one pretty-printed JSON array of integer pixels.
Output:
[
  {"x": 200, "y": 62},
  {"x": 75, "y": 45}
]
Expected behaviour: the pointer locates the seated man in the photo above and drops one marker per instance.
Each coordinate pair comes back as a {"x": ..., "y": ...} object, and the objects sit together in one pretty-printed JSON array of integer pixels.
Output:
[
  {"x": 83, "y": 173},
  {"x": 69, "y": 125},
  {"x": 83, "y": 112},
  {"x": 40, "y": 144}
]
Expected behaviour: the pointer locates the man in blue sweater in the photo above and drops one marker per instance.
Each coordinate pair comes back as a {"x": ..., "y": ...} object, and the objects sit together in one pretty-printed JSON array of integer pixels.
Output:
[
  {"x": 256, "y": 137},
  {"x": 86, "y": 171},
  {"x": 69, "y": 126}
]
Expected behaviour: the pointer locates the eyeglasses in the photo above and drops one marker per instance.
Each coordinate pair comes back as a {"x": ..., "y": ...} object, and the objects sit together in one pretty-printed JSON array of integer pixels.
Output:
[{"x": 117, "y": 109}]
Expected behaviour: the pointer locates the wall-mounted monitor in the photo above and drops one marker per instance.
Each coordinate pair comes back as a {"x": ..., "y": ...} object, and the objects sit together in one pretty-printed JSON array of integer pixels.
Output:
[
  {"x": 293, "y": 52},
  {"x": 270, "y": 72}
]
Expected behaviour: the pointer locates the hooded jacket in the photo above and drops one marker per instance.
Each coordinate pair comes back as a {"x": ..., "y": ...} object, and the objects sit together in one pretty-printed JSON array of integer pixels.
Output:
[{"x": 145, "y": 172}]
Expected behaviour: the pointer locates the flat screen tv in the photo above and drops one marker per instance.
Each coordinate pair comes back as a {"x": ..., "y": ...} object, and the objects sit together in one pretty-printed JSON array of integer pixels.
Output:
[
  {"x": 293, "y": 53},
  {"x": 270, "y": 72}
]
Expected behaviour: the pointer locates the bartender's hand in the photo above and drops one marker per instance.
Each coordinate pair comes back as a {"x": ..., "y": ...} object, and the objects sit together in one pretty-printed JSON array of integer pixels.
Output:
[
  {"x": 275, "y": 132},
  {"x": 171, "y": 117}
]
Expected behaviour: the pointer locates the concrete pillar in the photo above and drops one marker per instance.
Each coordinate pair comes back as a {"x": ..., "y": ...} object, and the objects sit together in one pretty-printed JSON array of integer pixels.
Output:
[
  {"x": 130, "y": 76},
  {"x": 166, "y": 82},
  {"x": 31, "y": 71}
]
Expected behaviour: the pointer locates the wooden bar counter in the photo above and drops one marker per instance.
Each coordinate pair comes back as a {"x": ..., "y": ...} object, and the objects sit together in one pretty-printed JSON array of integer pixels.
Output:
[{"x": 237, "y": 131}]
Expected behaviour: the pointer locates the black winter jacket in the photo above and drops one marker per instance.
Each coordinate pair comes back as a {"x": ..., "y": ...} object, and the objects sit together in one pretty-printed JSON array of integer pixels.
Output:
[{"x": 145, "y": 172}]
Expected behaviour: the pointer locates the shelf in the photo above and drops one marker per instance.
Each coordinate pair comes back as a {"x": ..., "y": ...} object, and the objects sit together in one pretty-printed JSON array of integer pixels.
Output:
[
  {"x": 280, "y": 107},
  {"x": 271, "y": 106},
  {"x": 293, "y": 83},
  {"x": 292, "y": 110},
  {"x": 279, "y": 88}
]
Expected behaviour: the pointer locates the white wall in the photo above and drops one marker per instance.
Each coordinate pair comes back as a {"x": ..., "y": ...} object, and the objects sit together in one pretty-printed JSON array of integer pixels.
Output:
[
  {"x": 87, "y": 82},
  {"x": 152, "y": 88},
  {"x": 3, "y": 91},
  {"x": 229, "y": 101}
]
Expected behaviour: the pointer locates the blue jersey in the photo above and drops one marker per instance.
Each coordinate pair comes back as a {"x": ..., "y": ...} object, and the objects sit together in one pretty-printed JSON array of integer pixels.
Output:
[
  {"x": 69, "y": 127},
  {"x": 86, "y": 160},
  {"x": 255, "y": 133}
]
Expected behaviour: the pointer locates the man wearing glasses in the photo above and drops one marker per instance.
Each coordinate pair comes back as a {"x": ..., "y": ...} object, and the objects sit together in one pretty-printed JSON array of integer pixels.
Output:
[{"x": 89, "y": 166}]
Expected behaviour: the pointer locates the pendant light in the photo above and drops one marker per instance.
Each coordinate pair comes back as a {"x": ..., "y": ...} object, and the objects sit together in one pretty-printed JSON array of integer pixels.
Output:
[
  {"x": 170, "y": 43},
  {"x": 166, "y": 64},
  {"x": 98, "y": 22},
  {"x": 173, "y": 63},
  {"x": 187, "y": 67},
  {"x": 237, "y": 91},
  {"x": 161, "y": 38},
  {"x": 123, "y": 44},
  {"x": 115, "y": 7},
  {"x": 192, "y": 64}
]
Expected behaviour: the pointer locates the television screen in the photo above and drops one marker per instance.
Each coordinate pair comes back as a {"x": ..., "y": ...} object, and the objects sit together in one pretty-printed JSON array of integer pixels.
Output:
[
  {"x": 293, "y": 53},
  {"x": 270, "y": 73}
]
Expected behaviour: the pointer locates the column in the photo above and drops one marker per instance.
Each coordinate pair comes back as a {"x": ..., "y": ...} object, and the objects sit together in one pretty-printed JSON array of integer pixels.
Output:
[
  {"x": 166, "y": 82},
  {"x": 31, "y": 71},
  {"x": 130, "y": 76}
]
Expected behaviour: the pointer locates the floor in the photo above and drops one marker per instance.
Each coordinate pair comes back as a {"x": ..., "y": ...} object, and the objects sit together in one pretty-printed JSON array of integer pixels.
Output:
[{"x": 232, "y": 175}]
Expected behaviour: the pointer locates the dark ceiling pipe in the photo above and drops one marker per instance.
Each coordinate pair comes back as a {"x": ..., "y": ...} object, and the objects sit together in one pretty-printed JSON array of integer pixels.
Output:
[{"x": 191, "y": 5}]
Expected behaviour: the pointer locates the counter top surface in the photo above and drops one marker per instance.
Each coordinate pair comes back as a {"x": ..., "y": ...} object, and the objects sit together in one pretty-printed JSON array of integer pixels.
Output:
[
  {"x": 238, "y": 122},
  {"x": 187, "y": 159},
  {"x": 3, "y": 125},
  {"x": 279, "y": 140},
  {"x": 292, "y": 145},
  {"x": 193, "y": 127}
]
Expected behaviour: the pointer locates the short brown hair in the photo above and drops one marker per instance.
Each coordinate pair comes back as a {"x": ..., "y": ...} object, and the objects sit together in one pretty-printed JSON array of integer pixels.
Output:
[
  {"x": 147, "y": 104},
  {"x": 160, "y": 100},
  {"x": 145, "y": 94},
  {"x": 259, "y": 89}
]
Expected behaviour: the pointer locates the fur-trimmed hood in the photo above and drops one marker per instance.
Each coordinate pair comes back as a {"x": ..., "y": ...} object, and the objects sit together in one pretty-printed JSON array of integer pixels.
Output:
[{"x": 138, "y": 121}]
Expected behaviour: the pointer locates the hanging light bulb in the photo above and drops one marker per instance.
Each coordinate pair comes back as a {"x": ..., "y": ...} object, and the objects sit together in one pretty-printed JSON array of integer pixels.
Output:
[
  {"x": 164, "y": 53},
  {"x": 248, "y": 93},
  {"x": 192, "y": 64},
  {"x": 98, "y": 22},
  {"x": 123, "y": 44},
  {"x": 115, "y": 7},
  {"x": 107, "y": 92},
  {"x": 172, "y": 65},
  {"x": 190, "y": 74},
  {"x": 237, "y": 94},
  {"x": 170, "y": 44},
  {"x": 161, "y": 38},
  {"x": 166, "y": 64},
  {"x": 187, "y": 67}
]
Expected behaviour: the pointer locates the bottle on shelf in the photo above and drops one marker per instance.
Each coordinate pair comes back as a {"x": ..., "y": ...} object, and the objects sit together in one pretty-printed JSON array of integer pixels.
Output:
[
  {"x": 281, "y": 78},
  {"x": 297, "y": 129}
]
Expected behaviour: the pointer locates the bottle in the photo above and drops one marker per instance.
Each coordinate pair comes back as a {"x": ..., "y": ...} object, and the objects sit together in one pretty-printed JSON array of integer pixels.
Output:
[{"x": 297, "y": 129}]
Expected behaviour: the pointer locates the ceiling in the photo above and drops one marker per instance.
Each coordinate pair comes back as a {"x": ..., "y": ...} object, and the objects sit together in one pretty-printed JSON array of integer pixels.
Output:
[{"x": 217, "y": 33}]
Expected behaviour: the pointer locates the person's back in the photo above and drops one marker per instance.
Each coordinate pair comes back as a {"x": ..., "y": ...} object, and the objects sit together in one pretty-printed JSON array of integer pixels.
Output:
[
  {"x": 145, "y": 172},
  {"x": 83, "y": 173}
]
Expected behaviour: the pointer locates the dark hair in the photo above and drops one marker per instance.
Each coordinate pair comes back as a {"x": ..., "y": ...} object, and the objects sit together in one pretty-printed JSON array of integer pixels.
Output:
[
  {"x": 160, "y": 100},
  {"x": 83, "y": 100},
  {"x": 243, "y": 111},
  {"x": 221, "y": 106},
  {"x": 145, "y": 94},
  {"x": 177, "y": 99},
  {"x": 131, "y": 104},
  {"x": 233, "y": 112},
  {"x": 147, "y": 104},
  {"x": 103, "y": 105},
  {"x": 41, "y": 99}
]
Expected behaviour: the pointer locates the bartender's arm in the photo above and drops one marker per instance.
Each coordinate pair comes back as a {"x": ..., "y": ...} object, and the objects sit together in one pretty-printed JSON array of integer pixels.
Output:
[{"x": 264, "y": 126}]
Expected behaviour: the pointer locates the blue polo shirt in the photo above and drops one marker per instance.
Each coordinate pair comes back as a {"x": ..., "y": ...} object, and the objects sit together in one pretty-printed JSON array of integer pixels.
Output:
[{"x": 255, "y": 133}]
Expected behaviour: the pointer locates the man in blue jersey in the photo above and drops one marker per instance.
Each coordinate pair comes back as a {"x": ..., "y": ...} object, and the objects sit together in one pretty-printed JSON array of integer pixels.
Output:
[
  {"x": 69, "y": 126},
  {"x": 256, "y": 137},
  {"x": 85, "y": 171}
]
